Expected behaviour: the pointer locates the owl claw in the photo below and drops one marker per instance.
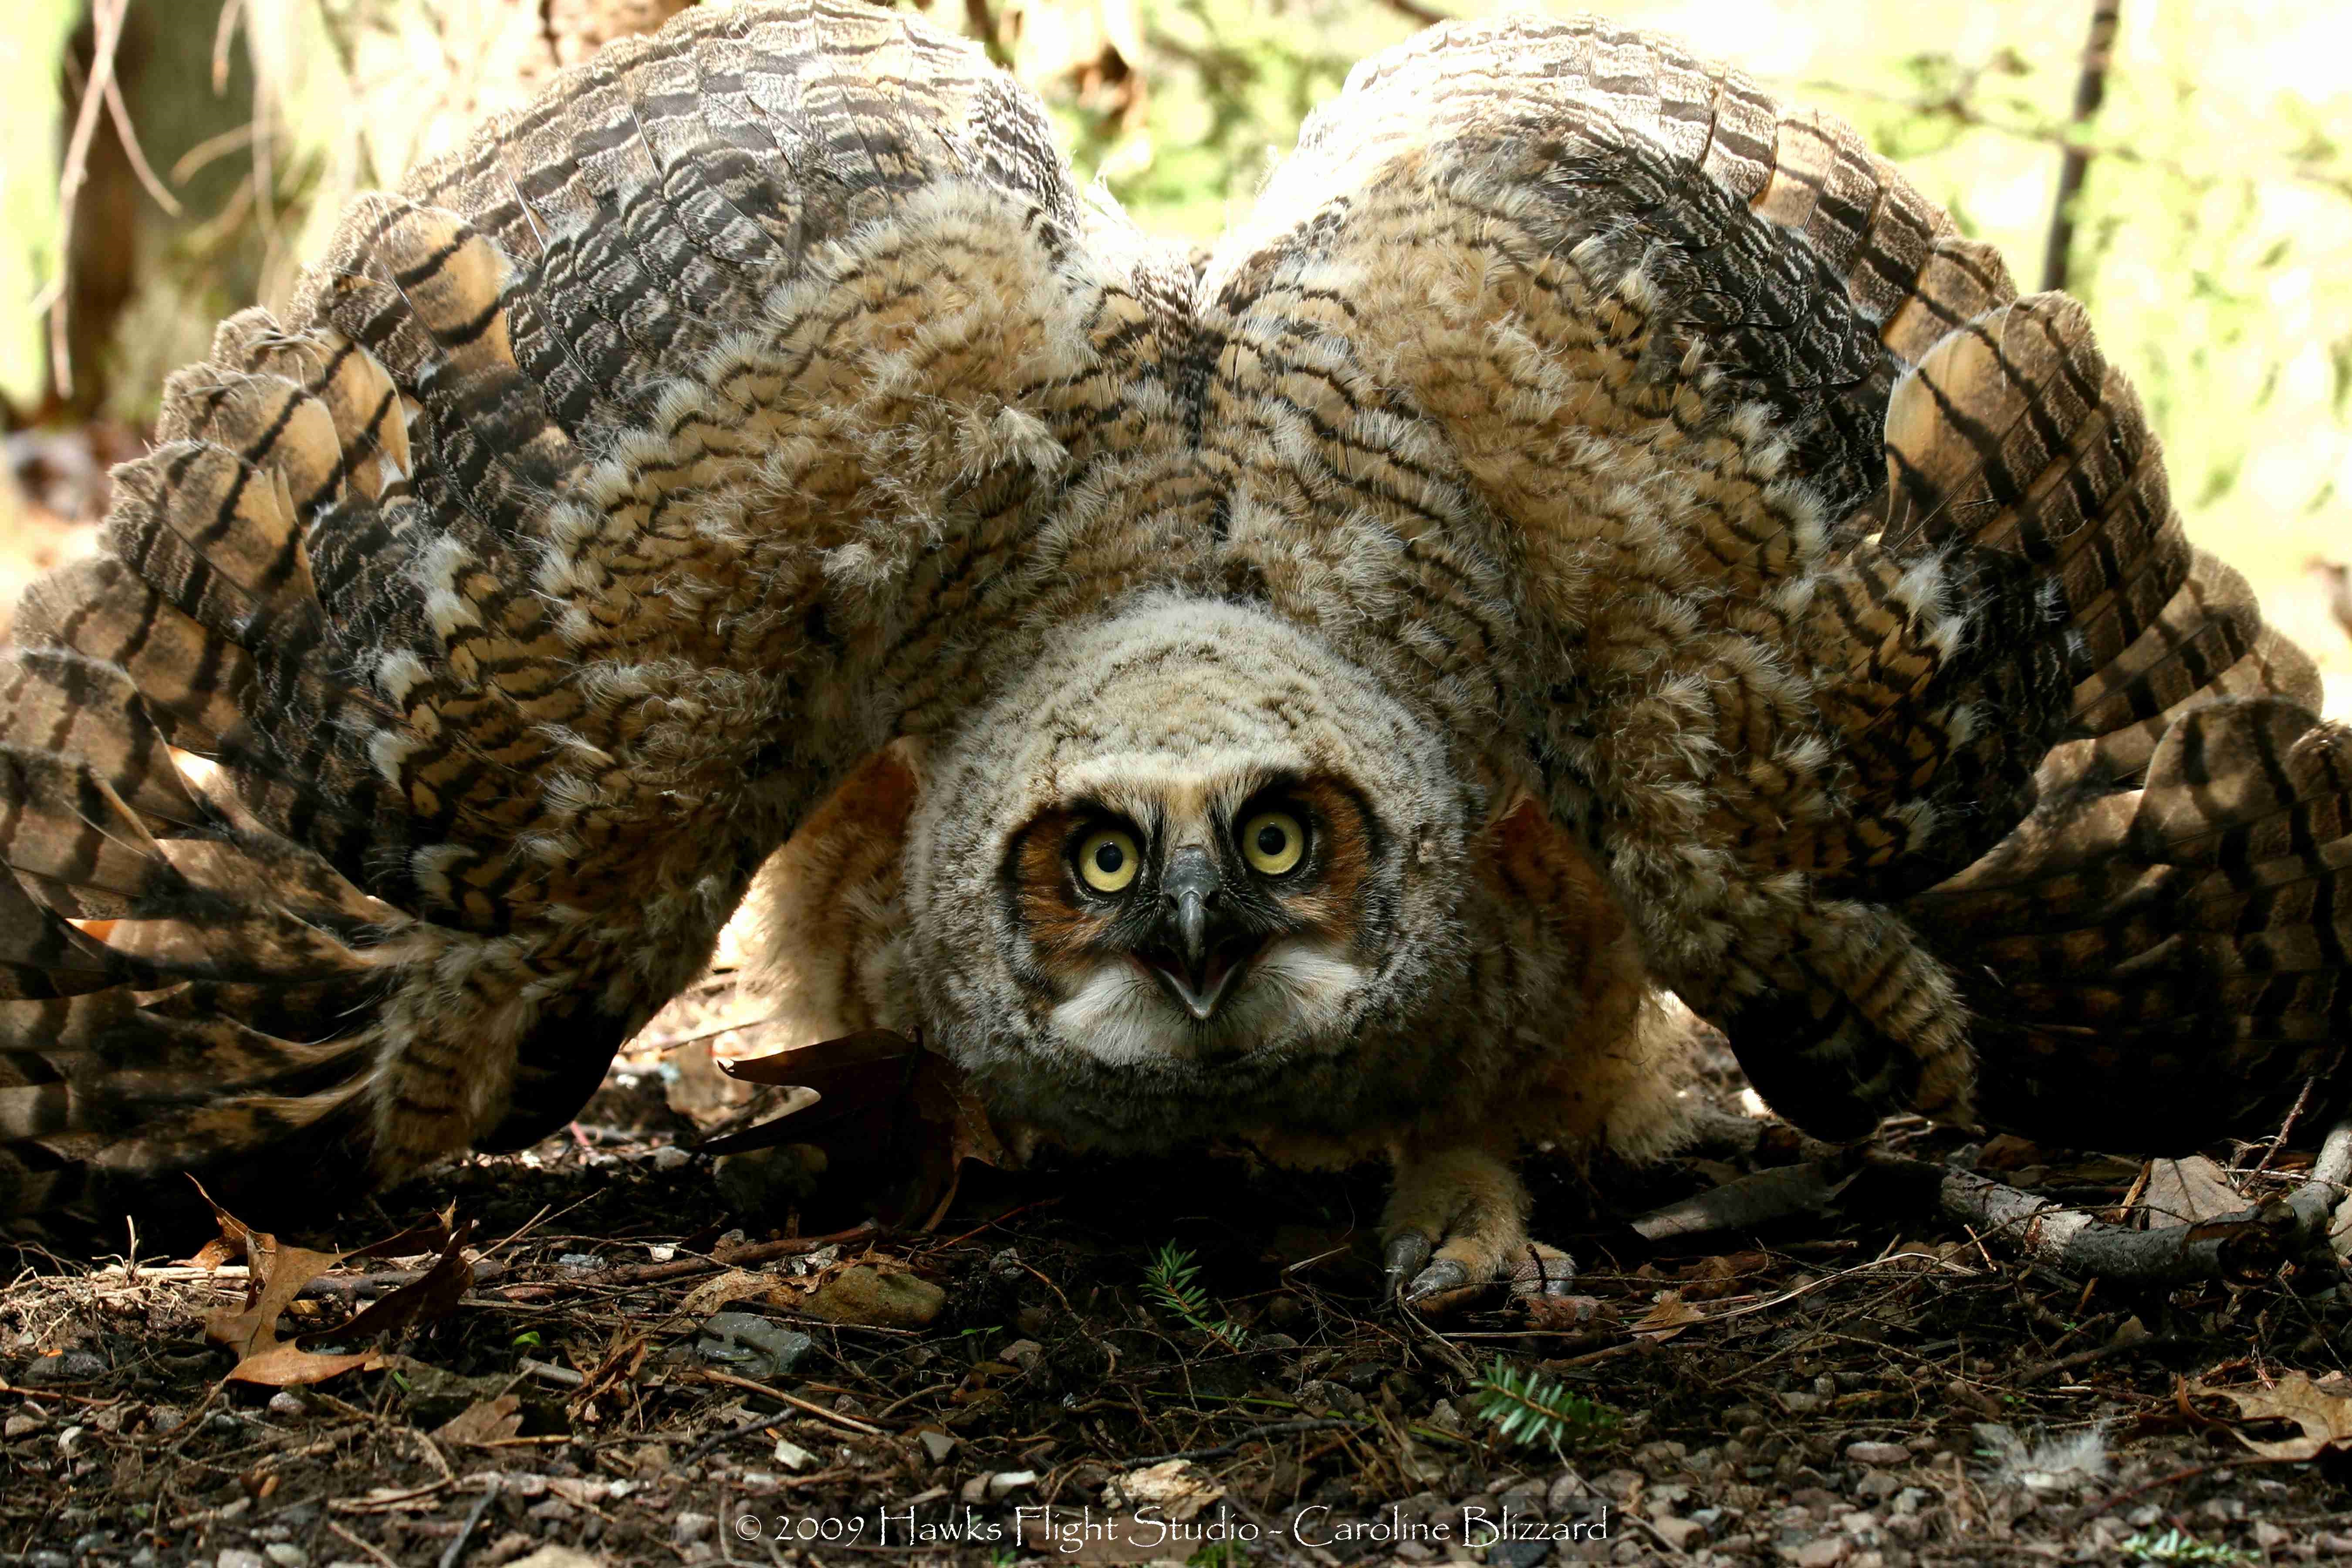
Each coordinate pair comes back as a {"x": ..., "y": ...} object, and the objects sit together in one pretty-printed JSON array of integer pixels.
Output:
[
  {"x": 1408, "y": 1254},
  {"x": 1447, "y": 1274}
]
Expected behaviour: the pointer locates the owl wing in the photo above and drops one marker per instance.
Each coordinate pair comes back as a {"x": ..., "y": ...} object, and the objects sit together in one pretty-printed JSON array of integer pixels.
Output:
[
  {"x": 1833, "y": 589},
  {"x": 471, "y": 634}
]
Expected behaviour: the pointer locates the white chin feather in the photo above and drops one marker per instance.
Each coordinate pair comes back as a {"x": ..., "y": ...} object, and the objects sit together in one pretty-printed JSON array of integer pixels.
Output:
[{"x": 1295, "y": 993}]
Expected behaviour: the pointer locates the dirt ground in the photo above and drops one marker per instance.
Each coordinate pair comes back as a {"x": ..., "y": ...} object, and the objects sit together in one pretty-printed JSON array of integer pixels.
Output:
[{"x": 1036, "y": 1379}]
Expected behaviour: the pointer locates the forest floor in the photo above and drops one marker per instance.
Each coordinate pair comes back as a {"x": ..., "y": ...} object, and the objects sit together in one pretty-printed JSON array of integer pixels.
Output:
[{"x": 1036, "y": 1378}]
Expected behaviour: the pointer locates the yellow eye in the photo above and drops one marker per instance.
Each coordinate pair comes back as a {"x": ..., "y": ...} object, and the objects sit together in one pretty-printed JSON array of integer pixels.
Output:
[
  {"x": 1109, "y": 860},
  {"x": 1273, "y": 842}
]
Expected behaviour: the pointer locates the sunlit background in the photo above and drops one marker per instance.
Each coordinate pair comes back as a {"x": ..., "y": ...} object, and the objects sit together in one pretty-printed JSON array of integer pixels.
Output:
[{"x": 2213, "y": 238}]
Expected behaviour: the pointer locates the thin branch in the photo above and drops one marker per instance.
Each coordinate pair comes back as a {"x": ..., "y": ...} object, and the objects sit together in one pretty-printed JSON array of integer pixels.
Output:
[
  {"x": 106, "y": 17},
  {"x": 2284, "y": 1229},
  {"x": 1416, "y": 12},
  {"x": 2090, "y": 91},
  {"x": 120, "y": 115}
]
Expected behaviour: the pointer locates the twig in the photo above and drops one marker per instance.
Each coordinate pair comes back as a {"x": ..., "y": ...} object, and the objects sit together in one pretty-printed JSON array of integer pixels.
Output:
[
  {"x": 2301, "y": 1099},
  {"x": 2283, "y": 1228},
  {"x": 1415, "y": 11},
  {"x": 106, "y": 20},
  {"x": 457, "y": 1547},
  {"x": 807, "y": 1406},
  {"x": 364, "y": 1544},
  {"x": 120, "y": 115},
  {"x": 2090, "y": 91}
]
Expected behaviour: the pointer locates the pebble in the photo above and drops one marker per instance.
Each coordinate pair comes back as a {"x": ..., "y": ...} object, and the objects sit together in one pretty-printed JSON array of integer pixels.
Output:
[
  {"x": 1003, "y": 1484},
  {"x": 240, "y": 1557},
  {"x": 868, "y": 1296},
  {"x": 1879, "y": 1453},
  {"x": 288, "y": 1405},
  {"x": 751, "y": 1345},
  {"x": 20, "y": 1424},
  {"x": 1826, "y": 1553},
  {"x": 582, "y": 1260},
  {"x": 1800, "y": 1403},
  {"x": 670, "y": 1157},
  {"x": 687, "y": 1528},
  {"x": 1518, "y": 1553},
  {"x": 1023, "y": 1354},
  {"x": 66, "y": 1366},
  {"x": 937, "y": 1444},
  {"x": 286, "y": 1554},
  {"x": 1679, "y": 1533}
]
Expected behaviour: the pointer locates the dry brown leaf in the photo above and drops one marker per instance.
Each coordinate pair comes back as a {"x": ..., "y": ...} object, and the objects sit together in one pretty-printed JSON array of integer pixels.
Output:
[
  {"x": 735, "y": 1285},
  {"x": 1668, "y": 1317},
  {"x": 484, "y": 1421},
  {"x": 880, "y": 1095},
  {"x": 277, "y": 1272},
  {"x": 2325, "y": 1418}
]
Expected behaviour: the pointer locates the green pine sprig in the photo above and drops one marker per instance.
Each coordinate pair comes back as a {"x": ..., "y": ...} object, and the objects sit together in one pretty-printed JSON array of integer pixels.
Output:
[
  {"x": 1527, "y": 1410},
  {"x": 1169, "y": 1279}
]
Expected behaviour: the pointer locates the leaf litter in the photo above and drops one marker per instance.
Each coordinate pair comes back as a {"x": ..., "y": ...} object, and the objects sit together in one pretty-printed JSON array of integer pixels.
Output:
[{"x": 1805, "y": 1382}]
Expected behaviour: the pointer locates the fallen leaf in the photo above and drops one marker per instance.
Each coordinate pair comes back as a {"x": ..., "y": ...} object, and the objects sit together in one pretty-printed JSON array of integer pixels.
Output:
[
  {"x": 882, "y": 1099},
  {"x": 1668, "y": 1317},
  {"x": 485, "y": 1421},
  {"x": 1751, "y": 1201},
  {"x": 277, "y": 1274},
  {"x": 2325, "y": 1418},
  {"x": 2188, "y": 1192},
  {"x": 735, "y": 1285},
  {"x": 1179, "y": 1489}
]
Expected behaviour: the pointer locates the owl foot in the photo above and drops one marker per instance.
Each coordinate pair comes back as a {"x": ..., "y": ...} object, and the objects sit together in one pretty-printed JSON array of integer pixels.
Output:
[{"x": 1457, "y": 1220}]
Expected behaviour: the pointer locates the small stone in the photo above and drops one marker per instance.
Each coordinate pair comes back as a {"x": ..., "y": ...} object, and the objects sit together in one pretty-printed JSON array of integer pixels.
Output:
[
  {"x": 47, "y": 1560},
  {"x": 1023, "y": 1354},
  {"x": 66, "y": 1366},
  {"x": 21, "y": 1424},
  {"x": 1879, "y": 1453},
  {"x": 1321, "y": 1396},
  {"x": 240, "y": 1557},
  {"x": 288, "y": 1405},
  {"x": 1876, "y": 1486},
  {"x": 2269, "y": 1536},
  {"x": 751, "y": 1345},
  {"x": 146, "y": 1557},
  {"x": 792, "y": 1456},
  {"x": 1002, "y": 1484},
  {"x": 937, "y": 1444},
  {"x": 583, "y": 1261},
  {"x": 866, "y": 1295},
  {"x": 670, "y": 1157},
  {"x": 286, "y": 1554},
  {"x": 687, "y": 1528},
  {"x": 90, "y": 1540},
  {"x": 1826, "y": 1553},
  {"x": 1678, "y": 1533},
  {"x": 1800, "y": 1403},
  {"x": 1518, "y": 1553},
  {"x": 1566, "y": 1488},
  {"x": 165, "y": 1418}
]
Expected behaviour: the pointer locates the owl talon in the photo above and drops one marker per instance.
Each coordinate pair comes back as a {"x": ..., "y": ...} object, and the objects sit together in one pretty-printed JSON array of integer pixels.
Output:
[
  {"x": 1441, "y": 1277},
  {"x": 1408, "y": 1255}
]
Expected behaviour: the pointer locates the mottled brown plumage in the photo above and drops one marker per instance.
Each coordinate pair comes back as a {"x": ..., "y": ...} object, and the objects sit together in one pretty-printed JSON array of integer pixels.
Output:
[{"x": 1646, "y": 545}]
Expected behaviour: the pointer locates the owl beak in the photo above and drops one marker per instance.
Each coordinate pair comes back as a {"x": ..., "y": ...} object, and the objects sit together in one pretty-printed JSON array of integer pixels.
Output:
[{"x": 1200, "y": 953}]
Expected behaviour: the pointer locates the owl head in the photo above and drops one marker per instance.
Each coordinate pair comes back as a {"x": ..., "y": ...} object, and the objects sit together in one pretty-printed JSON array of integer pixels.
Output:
[{"x": 1182, "y": 861}]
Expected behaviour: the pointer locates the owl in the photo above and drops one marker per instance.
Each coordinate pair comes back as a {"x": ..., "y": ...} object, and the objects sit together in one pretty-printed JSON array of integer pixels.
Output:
[{"x": 1595, "y": 542}]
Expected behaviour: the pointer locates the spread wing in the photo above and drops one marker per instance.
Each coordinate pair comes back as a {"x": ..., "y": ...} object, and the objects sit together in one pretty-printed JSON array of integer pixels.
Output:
[
  {"x": 472, "y": 634},
  {"x": 1834, "y": 588}
]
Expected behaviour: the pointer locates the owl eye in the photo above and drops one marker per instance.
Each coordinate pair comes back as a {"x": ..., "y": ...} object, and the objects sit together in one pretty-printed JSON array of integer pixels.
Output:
[
  {"x": 1274, "y": 842},
  {"x": 1108, "y": 860}
]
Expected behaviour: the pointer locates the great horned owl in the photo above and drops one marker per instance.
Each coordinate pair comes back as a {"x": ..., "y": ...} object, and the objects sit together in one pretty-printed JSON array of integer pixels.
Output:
[{"x": 1592, "y": 533}]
